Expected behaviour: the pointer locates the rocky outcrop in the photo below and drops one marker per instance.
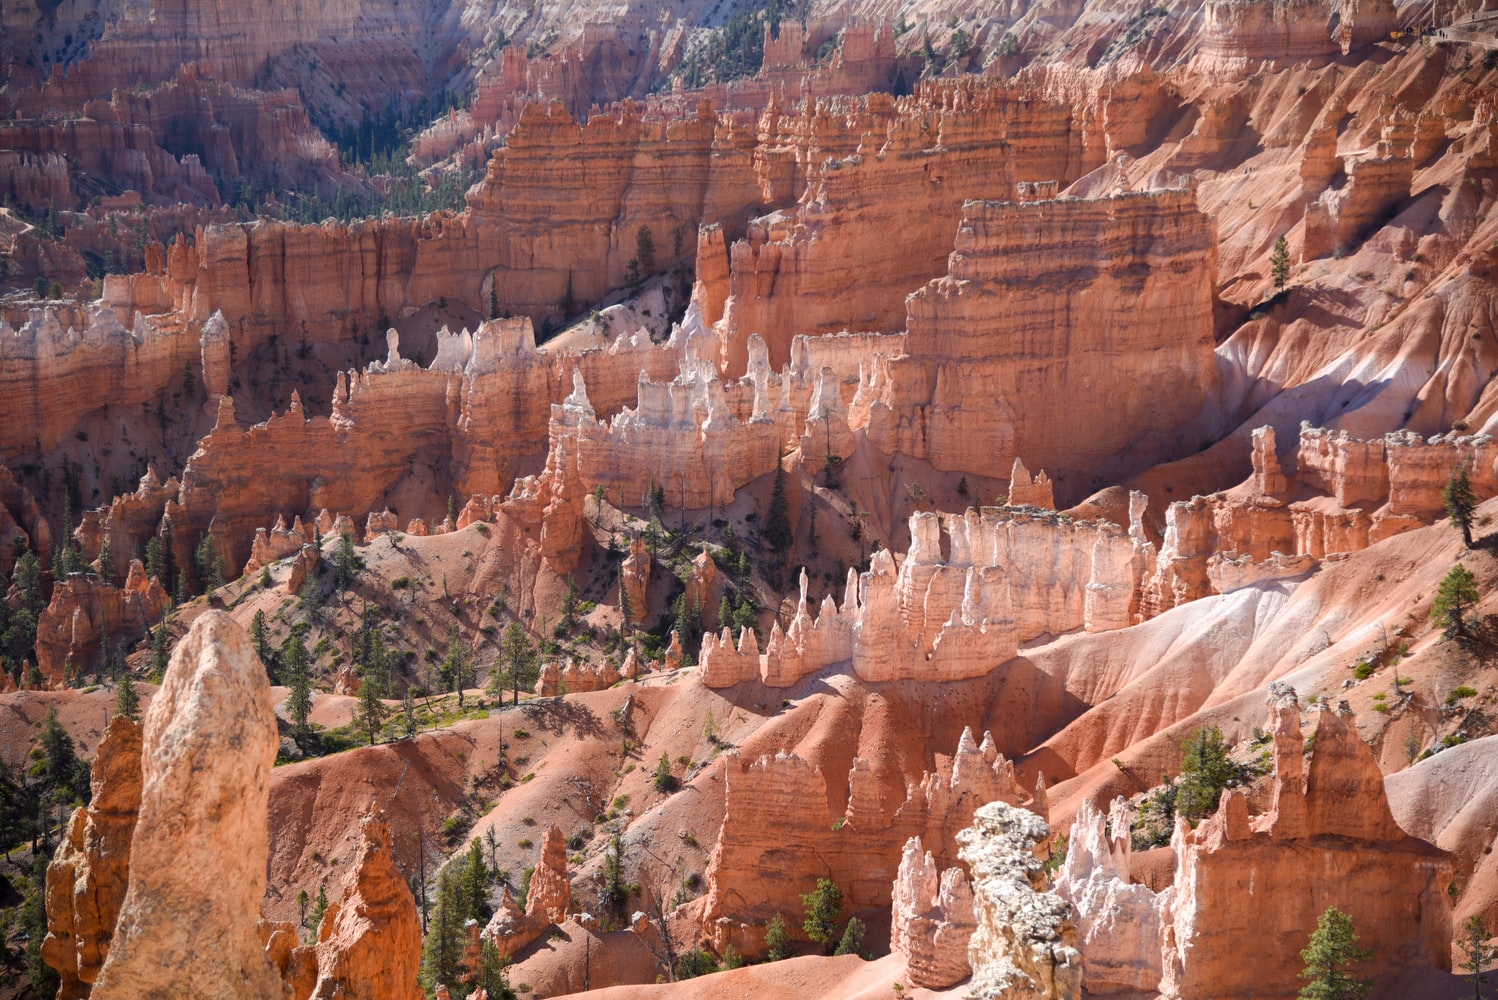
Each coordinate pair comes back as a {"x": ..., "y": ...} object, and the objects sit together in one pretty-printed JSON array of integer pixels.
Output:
[
  {"x": 198, "y": 855},
  {"x": 1011, "y": 575},
  {"x": 872, "y": 166},
  {"x": 190, "y": 139},
  {"x": 548, "y": 902},
  {"x": 1340, "y": 217},
  {"x": 634, "y": 578},
  {"x": 83, "y": 611},
  {"x": 931, "y": 919},
  {"x": 1239, "y": 35},
  {"x": 1001, "y": 355},
  {"x": 1331, "y": 818},
  {"x": 1119, "y": 923},
  {"x": 369, "y": 944},
  {"x": 550, "y": 897},
  {"x": 1328, "y": 838},
  {"x": 858, "y": 843},
  {"x": 1024, "y": 946},
  {"x": 576, "y": 677},
  {"x": 89, "y": 874},
  {"x": 682, "y": 437},
  {"x": 1028, "y": 491}
]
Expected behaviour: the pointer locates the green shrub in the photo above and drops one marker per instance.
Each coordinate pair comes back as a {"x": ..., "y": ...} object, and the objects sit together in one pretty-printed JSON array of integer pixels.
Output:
[{"x": 1459, "y": 694}]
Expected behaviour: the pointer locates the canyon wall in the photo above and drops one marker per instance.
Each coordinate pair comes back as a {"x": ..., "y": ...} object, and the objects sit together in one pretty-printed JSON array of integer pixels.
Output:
[{"x": 1007, "y": 354}]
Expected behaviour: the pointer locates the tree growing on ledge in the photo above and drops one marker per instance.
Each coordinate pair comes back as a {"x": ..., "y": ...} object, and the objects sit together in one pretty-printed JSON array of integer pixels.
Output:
[
  {"x": 1456, "y": 593},
  {"x": 1460, "y": 502},
  {"x": 1206, "y": 770},
  {"x": 1328, "y": 956},
  {"x": 1279, "y": 262}
]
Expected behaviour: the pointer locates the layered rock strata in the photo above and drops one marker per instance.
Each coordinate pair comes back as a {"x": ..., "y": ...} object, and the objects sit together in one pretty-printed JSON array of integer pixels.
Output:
[
  {"x": 89, "y": 874},
  {"x": 1004, "y": 354},
  {"x": 1330, "y": 817}
]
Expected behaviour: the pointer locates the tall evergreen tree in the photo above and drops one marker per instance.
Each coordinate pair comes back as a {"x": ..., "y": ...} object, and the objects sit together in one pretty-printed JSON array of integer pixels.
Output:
[
  {"x": 1460, "y": 502},
  {"x": 1329, "y": 955},
  {"x": 160, "y": 656},
  {"x": 777, "y": 532},
  {"x": 372, "y": 710},
  {"x": 296, "y": 668},
  {"x": 457, "y": 667},
  {"x": 346, "y": 562},
  {"x": 210, "y": 564},
  {"x": 260, "y": 640},
  {"x": 518, "y": 654},
  {"x": 127, "y": 700},
  {"x": 442, "y": 951},
  {"x": 823, "y": 906}
]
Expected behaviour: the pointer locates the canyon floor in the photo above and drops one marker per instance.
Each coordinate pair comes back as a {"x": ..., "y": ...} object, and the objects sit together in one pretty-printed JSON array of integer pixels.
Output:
[{"x": 761, "y": 498}]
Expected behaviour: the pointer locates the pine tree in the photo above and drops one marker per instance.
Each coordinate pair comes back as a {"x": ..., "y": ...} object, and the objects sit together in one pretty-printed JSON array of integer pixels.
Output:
[
  {"x": 777, "y": 520},
  {"x": 127, "y": 701},
  {"x": 663, "y": 780},
  {"x": 168, "y": 553},
  {"x": 210, "y": 565},
  {"x": 442, "y": 951},
  {"x": 1279, "y": 262},
  {"x": 1206, "y": 770},
  {"x": 457, "y": 667},
  {"x": 687, "y": 621},
  {"x": 371, "y": 709},
  {"x": 626, "y": 612},
  {"x": 493, "y": 973},
  {"x": 62, "y": 772},
  {"x": 570, "y": 605},
  {"x": 1456, "y": 592},
  {"x": 1460, "y": 502},
  {"x": 645, "y": 250},
  {"x": 346, "y": 562},
  {"x": 295, "y": 665},
  {"x": 261, "y": 642},
  {"x": 1480, "y": 954},
  {"x": 775, "y": 939},
  {"x": 106, "y": 562},
  {"x": 155, "y": 562},
  {"x": 160, "y": 656},
  {"x": 615, "y": 888},
  {"x": 319, "y": 907},
  {"x": 518, "y": 655},
  {"x": 852, "y": 940},
  {"x": 1328, "y": 955},
  {"x": 823, "y": 906},
  {"x": 476, "y": 885}
]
